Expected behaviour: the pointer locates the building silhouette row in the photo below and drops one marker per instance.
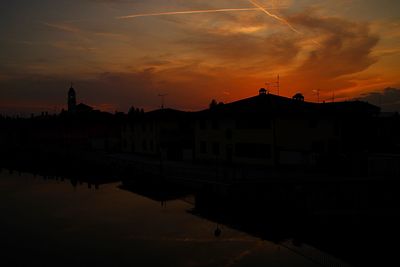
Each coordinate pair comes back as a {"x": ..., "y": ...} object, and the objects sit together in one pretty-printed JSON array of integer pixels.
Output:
[
  {"x": 264, "y": 130},
  {"x": 72, "y": 106}
]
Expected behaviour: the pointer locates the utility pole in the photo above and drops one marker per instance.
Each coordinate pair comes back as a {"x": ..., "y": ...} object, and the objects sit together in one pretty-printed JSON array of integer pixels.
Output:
[
  {"x": 317, "y": 93},
  {"x": 162, "y": 99},
  {"x": 278, "y": 85}
]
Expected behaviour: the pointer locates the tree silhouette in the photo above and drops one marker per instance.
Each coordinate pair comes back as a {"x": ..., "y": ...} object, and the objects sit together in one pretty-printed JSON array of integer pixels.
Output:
[
  {"x": 131, "y": 111},
  {"x": 213, "y": 104}
]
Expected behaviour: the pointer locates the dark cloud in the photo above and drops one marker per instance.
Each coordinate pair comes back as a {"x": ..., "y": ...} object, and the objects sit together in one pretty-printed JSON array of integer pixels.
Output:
[
  {"x": 345, "y": 49},
  {"x": 388, "y": 99},
  {"x": 238, "y": 47},
  {"x": 336, "y": 49}
]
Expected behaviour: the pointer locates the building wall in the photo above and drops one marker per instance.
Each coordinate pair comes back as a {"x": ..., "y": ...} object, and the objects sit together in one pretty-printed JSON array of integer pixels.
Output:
[
  {"x": 302, "y": 141},
  {"x": 277, "y": 141},
  {"x": 259, "y": 141},
  {"x": 140, "y": 137},
  {"x": 158, "y": 137},
  {"x": 222, "y": 141}
]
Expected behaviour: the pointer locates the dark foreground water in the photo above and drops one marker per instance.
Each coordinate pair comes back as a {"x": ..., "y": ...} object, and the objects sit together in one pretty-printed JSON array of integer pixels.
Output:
[{"x": 50, "y": 222}]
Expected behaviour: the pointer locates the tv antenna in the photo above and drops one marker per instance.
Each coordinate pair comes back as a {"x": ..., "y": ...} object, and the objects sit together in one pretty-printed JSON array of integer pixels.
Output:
[
  {"x": 317, "y": 93},
  {"x": 274, "y": 84},
  {"x": 162, "y": 99}
]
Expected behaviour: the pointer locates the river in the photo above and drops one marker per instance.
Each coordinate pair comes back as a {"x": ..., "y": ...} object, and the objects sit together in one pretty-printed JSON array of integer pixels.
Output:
[{"x": 55, "y": 222}]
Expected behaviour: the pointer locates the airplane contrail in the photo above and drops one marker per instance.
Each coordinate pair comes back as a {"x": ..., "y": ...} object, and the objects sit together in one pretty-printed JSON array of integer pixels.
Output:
[
  {"x": 257, "y": 7},
  {"x": 282, "y": 20},
  {"x": 188, "y": 12}
]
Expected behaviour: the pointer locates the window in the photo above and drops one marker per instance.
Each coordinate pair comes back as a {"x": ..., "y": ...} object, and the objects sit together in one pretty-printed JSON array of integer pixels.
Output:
[
  {"x": 203, "y": 147},
  {"x": 253, "y": 123},
  {"x": 151, "y": 145},
  {"x": 215, "y": 124},
  {"x": 253, "y": 150},
  {"x": 313, "y": 123},
  {"x": 215, "y": 147},
  {"x": 318, "y": 146},
  {"x": 203, "y": 125},
  {"x": 144, "y": 145},
  {"x": 336, "y": 128},
  {"x": 228, "y": 134}
]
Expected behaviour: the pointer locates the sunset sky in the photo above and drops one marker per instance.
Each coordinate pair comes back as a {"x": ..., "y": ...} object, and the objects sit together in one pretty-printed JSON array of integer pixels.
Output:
[{"x": 349, "y": 48}]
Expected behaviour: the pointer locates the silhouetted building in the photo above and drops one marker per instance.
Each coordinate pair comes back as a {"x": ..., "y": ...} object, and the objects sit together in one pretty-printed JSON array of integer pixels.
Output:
[
  {"x": 273, "y": 130},
  {"x": 262, "y": 91},
  {"x": 71, "y": 99},
  {"x": 266, "y": 130},
  {"x": 81, "y": 108},
  {"x": 298, "y": 97},
  {"x": 164, "y": 132},
  {"x": 73, "y": 107}
]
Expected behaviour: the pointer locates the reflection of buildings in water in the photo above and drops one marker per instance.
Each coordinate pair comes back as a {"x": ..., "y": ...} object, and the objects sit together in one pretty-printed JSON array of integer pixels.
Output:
[
  {"x": 74, "y": 183},
  {"x": 262, "y": 223},
  {"x": 80, "y": 181},
  {"x": 160, "y": 192},
  {"x": 342, "y": 218},
  {"x": 218, "y": 231}
]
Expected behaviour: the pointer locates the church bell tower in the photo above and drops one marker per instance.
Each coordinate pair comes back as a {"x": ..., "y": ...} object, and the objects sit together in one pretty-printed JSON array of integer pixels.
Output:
[{"x": 71, "y": 99}]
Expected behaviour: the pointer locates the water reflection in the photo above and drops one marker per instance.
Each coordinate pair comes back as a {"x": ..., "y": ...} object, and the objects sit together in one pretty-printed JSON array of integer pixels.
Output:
[
  {"x": 83, "y": 220},
  {"x": 47, "y": 221},
  {"x": 341, "y": 235}
]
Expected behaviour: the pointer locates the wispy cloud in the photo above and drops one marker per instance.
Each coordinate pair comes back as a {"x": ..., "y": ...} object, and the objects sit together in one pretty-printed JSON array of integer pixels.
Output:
[
  {"x": 346, "y": 49},
  {"x": 232, "y": 48},
  {"x": 62, "y": 27},
  {"x": 72, "y": 46},
  {"x": 388, "y": 99}
]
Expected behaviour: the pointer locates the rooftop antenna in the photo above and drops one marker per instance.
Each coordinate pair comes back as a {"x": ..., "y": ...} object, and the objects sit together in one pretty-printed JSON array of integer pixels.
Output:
[
  {"x": 317, "y": 93},
  {"x": 274, "y": 84},
  {"x": 278, "y": 84},
  {"x": 162, "y": 99}
]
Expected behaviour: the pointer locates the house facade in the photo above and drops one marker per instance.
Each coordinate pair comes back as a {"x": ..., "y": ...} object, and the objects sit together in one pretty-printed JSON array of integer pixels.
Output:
[
  {"x": 263, "y": 130},
  {"x": 272, "y": 130},
  {"x": 165, "y": 133}
]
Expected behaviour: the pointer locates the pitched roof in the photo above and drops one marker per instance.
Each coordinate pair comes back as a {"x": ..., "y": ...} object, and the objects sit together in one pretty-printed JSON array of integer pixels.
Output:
[
  {"x": 83, "y": 108},
  {"x": 277, "y": 105}
]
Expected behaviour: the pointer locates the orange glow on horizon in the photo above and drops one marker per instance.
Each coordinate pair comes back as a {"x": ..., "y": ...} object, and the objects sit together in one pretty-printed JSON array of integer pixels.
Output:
[{"x": 225, "y": 50}]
